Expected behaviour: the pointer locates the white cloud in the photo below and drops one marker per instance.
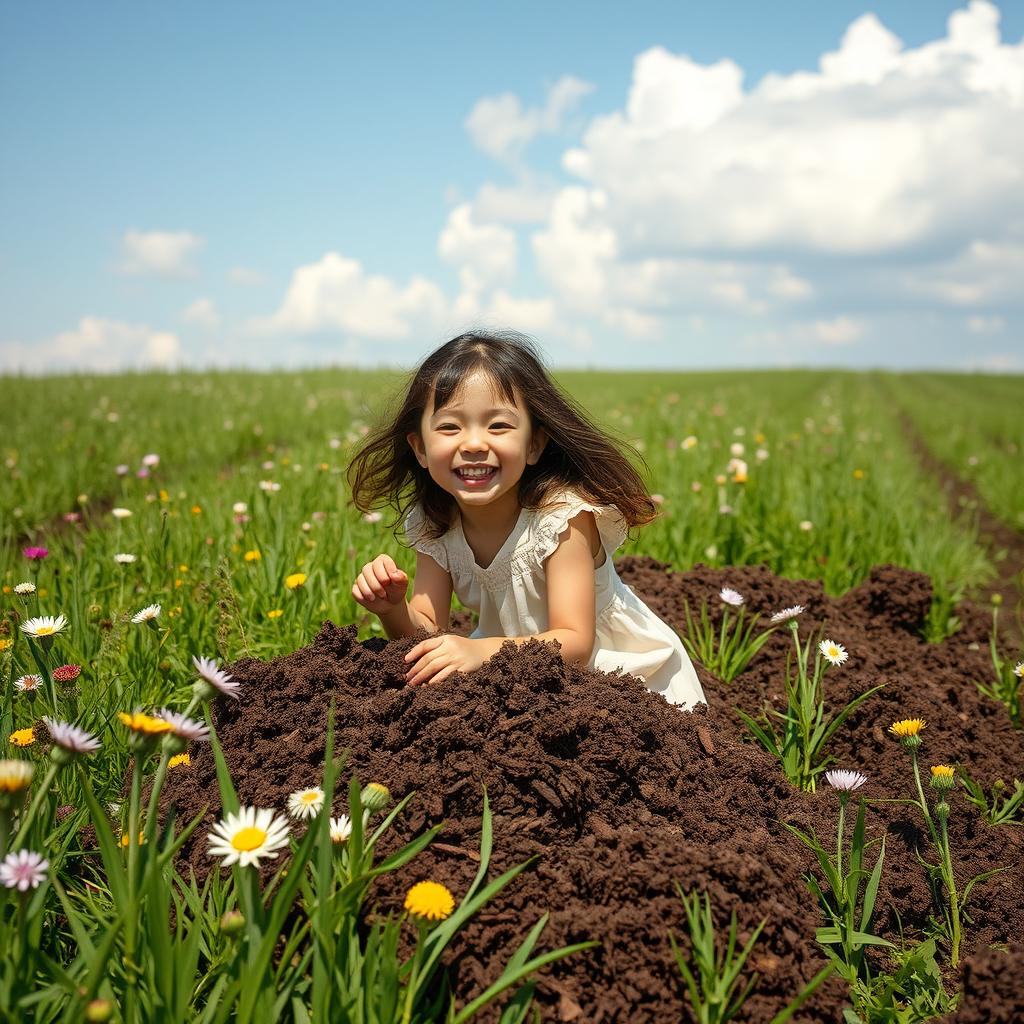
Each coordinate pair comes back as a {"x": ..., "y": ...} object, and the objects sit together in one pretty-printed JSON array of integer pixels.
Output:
[
  {"x": 882, "y": 149},
  {"x": 502, "y": 128},
  {"x": 246, "y": 277},
  {"x": 159, "y": 253},
  {"x": 485, "y": 254},
  {"x": 202, "y": 313},
  {"x": 96, "y": 344},
  {"x": 528, "y": 201},
  {"x": 983, "y": 273},
  {"x": 986, "y": 324},
  {"x": 996, "y": 362},
  {"x": 336, "y": 294},
  {"x": 840, "y": 331}
]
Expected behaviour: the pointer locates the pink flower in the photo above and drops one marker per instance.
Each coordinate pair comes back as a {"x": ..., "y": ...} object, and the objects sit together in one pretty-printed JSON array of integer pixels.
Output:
[
  {"x": 23, "y": 870},
  {"x": 67, "y": 673},
  {"x": 35, "y": 554},
  {"x": 72, "y": 517},
  {"x": 142, "y": 473}
]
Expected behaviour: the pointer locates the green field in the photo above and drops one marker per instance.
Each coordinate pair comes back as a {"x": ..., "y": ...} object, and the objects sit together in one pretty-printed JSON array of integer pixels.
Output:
[{"x": 829, "y": 486}]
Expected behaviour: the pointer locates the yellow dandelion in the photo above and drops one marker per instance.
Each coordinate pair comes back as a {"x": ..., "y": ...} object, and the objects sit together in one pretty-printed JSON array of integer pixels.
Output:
[
  {"x": 23, "y": 737},
  {"x": 858, "y": 474},
  {"x": 179, "y": 759},
  {"x": 196, "y": 509},
  {"x": 6, "y": 644},
  {"x": 145, "y": 724},
  {"x": 182, "y": 568},
  {"x": 125, "y": 840},
  {"x": 429, "y": 900},
  {"x": 295, "y": 580},
  {"x": 275, "y": 613},
  {"x": 252, "y": 556},
  {"x": 907, "y": 727},
  {"x": 164, "y": 496}
]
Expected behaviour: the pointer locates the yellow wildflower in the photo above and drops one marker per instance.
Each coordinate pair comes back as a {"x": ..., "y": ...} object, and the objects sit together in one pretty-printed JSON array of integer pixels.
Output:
[
  {"x": 23, "y": 737},
  {"x": 6, "y": 644},
  {"x": 196, "y": 509},
  {"x": 252, "y": 556},
  {"x": 275, "y": 613},
  {"x": 295, "y": 580},
  {"x": 179, "y": 759},
  {"x": 429, "y": 900},
  {"x": 907, "y": 727},
  {"x": 148, "y": 725},
  {"x": 858, "y": 474}
]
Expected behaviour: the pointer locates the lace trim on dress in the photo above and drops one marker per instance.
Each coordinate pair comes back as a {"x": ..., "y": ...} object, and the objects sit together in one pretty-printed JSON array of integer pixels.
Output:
[
  {"x": 416, "y": 526},
  {"x": 552, "y": 524}
]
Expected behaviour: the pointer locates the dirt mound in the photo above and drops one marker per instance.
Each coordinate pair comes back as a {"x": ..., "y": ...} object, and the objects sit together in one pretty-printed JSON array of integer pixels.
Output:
[
  {"x": 621, "y": 796},
  {"x": 992, "y": 989}
]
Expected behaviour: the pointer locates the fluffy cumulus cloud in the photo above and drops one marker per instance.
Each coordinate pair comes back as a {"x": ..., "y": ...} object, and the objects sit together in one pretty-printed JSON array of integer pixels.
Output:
[
  {"x": 159, "y": 253},
  {"x": 336, "y": 294},
  {"x": 201, "y": 313},
  {"x": 502, "y": 127},
  {"x": 96, "y": 344},
  {"x": 703, "y": 194},
  {"x": 485, "y": 254}
]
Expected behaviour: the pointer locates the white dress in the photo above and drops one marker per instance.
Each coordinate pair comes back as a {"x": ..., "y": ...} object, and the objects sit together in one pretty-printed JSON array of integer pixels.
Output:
[{"x": 510, "y": 595}]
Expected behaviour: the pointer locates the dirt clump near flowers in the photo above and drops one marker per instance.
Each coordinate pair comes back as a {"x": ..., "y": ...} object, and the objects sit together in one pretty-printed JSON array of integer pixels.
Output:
[{"x": 621, "y": 797}]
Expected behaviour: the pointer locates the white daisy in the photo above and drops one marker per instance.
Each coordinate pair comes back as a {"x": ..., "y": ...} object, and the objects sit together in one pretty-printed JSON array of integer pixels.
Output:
[
  {"x": 24, "y": 589},
  {"x": 806, "y": 525},
  {"x": 306, "y": 803},
  {"x": 71, "y": 738},
  {"x": 120, "y": 513},
  {"x": 269, "y": 486},
  {"x": 730, "y": 596},
  {"x": 27, "y": 684},
  {"x": 148, "y": 614},
  {"x": 844, "y": 780},
  {"x": 834, "y": 653},
  {"x": 184, "y": 727},
  {"x": 43, "y": 626},
  {"x": 215, "y": 677},
  {"x": 341, "y": 829},
  {"x": 788, "y": 613},
  {"x": 239, "y": 507},
  {"x": 123, "y": 558},
  {"x": 23, "y": 870},
  {"x": 1018, "y": 669},
  {"x": 736, "y": 449},
  {"x": 151, "y": 460},
  {"x": 243, "y": 838}
]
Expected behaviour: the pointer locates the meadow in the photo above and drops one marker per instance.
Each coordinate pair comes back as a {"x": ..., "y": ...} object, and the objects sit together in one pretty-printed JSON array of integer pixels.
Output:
[{"x": 174, "y": 517}]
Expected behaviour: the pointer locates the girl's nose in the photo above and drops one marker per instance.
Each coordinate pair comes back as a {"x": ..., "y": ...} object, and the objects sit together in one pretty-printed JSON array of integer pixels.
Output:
[{"x": 474, "y": 441}]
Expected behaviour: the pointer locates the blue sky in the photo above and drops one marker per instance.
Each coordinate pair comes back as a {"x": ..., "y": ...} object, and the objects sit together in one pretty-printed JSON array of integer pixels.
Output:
[{"x": 666, "y": 184}]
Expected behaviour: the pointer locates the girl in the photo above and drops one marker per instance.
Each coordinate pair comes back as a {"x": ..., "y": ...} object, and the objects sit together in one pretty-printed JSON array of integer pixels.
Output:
[{"x": 517, "y": 502}]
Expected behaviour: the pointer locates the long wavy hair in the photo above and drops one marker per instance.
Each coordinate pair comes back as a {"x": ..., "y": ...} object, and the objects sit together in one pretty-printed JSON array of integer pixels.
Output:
[{"x": 577, "y": 455}]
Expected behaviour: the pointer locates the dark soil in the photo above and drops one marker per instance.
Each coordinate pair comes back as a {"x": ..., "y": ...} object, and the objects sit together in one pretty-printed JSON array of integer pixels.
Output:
[{"x": 621, "y": 796}]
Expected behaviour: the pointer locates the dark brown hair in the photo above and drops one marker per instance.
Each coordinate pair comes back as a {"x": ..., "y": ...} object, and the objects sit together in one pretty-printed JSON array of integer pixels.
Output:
[{"x": 577, "y": 455}]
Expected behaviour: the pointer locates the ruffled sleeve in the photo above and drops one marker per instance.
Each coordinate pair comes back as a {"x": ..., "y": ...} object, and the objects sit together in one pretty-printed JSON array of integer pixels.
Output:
[
  {"x": 416, "y": 528},
  {"x": 552, "y": 523}
]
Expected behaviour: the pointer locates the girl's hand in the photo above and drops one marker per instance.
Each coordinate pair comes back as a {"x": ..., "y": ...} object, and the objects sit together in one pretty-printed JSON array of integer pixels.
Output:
[
  {"x": 381, "y": 586},
  {"x": 438, "y": 657}
]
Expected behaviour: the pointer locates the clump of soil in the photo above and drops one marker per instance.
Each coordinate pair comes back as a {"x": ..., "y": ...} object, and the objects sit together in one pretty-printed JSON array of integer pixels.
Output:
[{"x": 621, "y": 797}]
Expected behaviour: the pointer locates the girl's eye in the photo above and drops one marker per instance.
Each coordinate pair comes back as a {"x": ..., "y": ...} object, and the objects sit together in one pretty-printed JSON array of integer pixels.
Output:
[{"x": 501, "y": 426}]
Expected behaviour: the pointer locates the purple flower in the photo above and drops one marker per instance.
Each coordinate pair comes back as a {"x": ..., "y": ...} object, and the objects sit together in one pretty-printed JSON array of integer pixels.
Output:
[
  {"x": 142, "y": 472},
  {"x": 23, "y": 870},
  {"x": 35, "y": 554}
]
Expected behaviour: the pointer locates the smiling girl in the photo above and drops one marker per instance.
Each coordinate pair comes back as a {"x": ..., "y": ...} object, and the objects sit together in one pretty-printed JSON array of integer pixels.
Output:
[{"x": 516, "y": 502}]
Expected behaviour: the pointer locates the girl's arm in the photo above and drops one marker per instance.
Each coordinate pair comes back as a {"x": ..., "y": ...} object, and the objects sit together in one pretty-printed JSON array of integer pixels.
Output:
[
  {"x": 569, "y": 572},
  {"x": 430, "y": 606}
]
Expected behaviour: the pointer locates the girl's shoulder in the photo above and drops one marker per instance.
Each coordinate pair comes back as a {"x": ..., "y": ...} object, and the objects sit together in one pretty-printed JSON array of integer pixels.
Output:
[
  {"x": 549, "y": 522},
  {"x": 418, "y": 529}
]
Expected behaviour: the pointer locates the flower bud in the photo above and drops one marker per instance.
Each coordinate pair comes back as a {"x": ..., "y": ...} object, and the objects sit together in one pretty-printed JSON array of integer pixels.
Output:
[
  {"x": 942, "y": 811},
  {"x": 375, "y": 796},
  {"x": 943, "y": 777},
  {"x": 99, "y": 1010},
  {"x": 232, "y": 922},
  {"x": 997, "y": 599}
]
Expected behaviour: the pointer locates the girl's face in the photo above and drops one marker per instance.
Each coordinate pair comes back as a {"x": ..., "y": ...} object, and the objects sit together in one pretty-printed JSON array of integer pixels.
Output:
[{"x": 477, "y": 446}]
